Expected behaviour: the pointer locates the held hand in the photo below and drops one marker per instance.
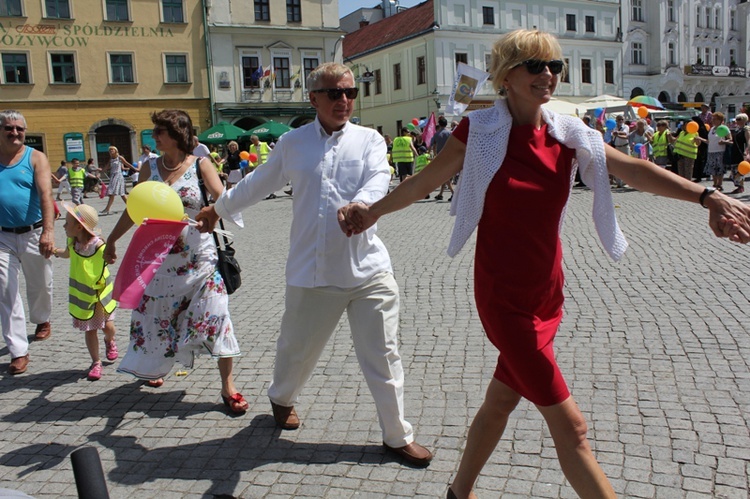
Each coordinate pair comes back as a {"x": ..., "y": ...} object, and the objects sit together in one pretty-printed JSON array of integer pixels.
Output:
[
  {"x": 207, "y": 219},
  {"x": 110, "y": 254},
  {"x": 729, "y": 218},
  {"x": 355, "y": 218},
  {"x": 46, "y": 244}
]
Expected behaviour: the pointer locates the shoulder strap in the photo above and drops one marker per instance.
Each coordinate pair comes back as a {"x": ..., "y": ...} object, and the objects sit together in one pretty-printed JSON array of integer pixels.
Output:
[{"x": 206, "y": 203}]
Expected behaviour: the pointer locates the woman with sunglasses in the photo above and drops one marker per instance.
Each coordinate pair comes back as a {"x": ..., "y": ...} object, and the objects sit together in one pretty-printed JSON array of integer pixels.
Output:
[{"x": 517, "y": 161}]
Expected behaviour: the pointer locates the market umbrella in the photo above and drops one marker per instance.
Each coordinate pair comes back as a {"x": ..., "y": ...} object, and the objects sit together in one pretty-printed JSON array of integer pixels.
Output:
[
  {"x": 645, "y": 101},
  {"x": 603, "y": 101},
  {"x": 221, "y": 133},
  {"x": 561, "y": 106},
  {"x": 268, "y": 131}
]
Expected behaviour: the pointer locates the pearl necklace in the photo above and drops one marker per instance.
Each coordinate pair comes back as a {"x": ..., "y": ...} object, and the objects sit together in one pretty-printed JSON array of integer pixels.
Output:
[{"x": 172, "y": 169}]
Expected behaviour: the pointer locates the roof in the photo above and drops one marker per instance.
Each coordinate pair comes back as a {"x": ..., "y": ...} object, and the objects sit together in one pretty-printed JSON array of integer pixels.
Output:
[{"x": 401, "y": 26}]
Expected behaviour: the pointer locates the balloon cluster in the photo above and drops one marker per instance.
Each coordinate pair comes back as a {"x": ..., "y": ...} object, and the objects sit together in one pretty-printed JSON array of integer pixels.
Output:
[{"x": 152, "y": 199}]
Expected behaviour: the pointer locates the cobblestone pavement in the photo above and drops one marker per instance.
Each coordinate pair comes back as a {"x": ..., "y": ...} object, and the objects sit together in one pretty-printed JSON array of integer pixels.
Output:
[{"x": 654, "y": 348}]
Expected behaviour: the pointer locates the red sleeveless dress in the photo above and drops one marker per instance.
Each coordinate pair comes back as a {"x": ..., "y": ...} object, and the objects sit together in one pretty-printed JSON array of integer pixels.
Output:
[{"x": 518, "y": 275}]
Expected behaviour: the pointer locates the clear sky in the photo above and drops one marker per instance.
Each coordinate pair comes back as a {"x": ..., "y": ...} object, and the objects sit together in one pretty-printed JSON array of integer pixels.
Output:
[{"x": 349, "y": 6}]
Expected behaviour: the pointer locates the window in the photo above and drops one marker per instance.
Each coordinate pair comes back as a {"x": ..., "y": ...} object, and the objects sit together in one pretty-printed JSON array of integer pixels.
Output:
[
  {"x": 262, "y": 12},
  {"x": 698, "y": 19},
  {"x": 636, "y": 53},
  {"x": 59, "y": 9},
  {"x": 293, "y": 11},
  {"x": 717, "y": 58},
  {"x": 251, "y": 72},
  {"x": 367, "y": 89},
  {"x": 609, "y": 71},
  {"x": 488, "y": 61},
  {"x": 670, "y": 11},
  {"x": 488, "y": 16},
  {"x": 63, "y": 68},
  {"x": 565, "y": 75},
  {"x": 15, "y": 68},
  {"x": 462, "y": 57},
  {"x": 282, "y": 75},
  {"x": 570, "y": 22},
  {"x": 732, "y": 57},
  {"x": 177, "y": 71},
  {"x": 308, "y": 64},
  {"x": 698, "y": 58},
  {"x": 10, "y": 8},
  {"x": 708, "y": 17},
  {"x": 117, "y": 10},
  {"x": 378, "y": 83},
  {"x": 717, "y": 18},
  {"x": 733, "y": 20},
  {"x": 590, "y": 24},
  {"x": 171, "y": 11},
  {"x": 585, "y": 70},
  {"x": 670, "y": 53},
  {"x": 637, "y": 10},
  {"x": 707, "y": 58},
  {"x": 421, "y": 71},
  {"x": 397, "y": 76},
  {"x": 121, "y": 68}
]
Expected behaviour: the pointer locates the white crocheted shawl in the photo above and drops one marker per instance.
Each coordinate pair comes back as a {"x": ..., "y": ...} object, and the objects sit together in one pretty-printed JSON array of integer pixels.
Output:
[{"x": 489, "y": 131}]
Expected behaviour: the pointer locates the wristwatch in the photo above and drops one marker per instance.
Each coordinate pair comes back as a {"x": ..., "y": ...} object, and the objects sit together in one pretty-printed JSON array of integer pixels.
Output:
[{"x": 706, "y": 192}]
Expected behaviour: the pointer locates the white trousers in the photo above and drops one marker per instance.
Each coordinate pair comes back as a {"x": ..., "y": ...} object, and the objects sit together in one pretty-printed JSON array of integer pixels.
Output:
[
  {"x": 20, "y": 252},
  {"x": 64, "y": 186},
  {"x": 310, "y": 318}
]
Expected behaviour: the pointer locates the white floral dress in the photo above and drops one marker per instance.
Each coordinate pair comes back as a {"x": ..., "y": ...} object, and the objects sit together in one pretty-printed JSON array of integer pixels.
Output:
[
  {"x": 116, "y": 185},
  {"x": 185, "y": 308}
]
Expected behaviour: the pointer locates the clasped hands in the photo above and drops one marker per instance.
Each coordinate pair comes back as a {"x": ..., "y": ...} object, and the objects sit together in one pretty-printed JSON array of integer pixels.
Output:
[{"x": 355, "y": 218}]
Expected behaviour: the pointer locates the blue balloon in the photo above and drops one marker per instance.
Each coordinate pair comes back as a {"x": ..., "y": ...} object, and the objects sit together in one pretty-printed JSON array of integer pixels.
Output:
[
  {"x": 598, "y": 112},
  {"x": 244, "y": 163},
  {"x": 637, "y": 148},
  {"x": 610, "y": 124}
]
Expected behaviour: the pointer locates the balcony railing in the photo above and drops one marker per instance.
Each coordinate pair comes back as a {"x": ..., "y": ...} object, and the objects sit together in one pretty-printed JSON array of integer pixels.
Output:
[{"x": 718, "y": 71}]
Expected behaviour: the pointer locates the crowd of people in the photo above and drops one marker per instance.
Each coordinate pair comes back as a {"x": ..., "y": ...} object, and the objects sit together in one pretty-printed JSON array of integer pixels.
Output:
[{"x": 514, "y": 197}]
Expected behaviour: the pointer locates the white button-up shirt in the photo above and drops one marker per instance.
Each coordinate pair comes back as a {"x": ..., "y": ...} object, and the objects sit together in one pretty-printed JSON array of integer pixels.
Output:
[{"x": 327, "y": 172}]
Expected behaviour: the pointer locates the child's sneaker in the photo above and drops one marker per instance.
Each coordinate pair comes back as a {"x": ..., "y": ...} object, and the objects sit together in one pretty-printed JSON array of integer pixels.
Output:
[
  {"x": 111, "y": 348},
  {"x": 95, "y": 372}
]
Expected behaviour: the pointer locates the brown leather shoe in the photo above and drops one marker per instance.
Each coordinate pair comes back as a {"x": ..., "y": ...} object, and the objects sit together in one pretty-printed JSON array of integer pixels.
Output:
[
  {"x": 286, "y": 417},
  {"x": 42, "y": 331},
  {"x": 413, "y": 454},
  {"x": 18, "y": 365}
]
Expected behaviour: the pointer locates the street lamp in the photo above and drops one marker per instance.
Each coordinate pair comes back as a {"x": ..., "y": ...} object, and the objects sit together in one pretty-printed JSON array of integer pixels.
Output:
[
  {"x": 436, "y": 98},
  {"x": 335, "y": 48}
]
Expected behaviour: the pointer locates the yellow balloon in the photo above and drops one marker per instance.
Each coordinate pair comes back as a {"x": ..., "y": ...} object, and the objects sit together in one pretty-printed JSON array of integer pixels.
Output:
[
  {"x": 642, "y": 112},
  {"x": 743, "y": 168},
  {"x": 153, "y": 199}
]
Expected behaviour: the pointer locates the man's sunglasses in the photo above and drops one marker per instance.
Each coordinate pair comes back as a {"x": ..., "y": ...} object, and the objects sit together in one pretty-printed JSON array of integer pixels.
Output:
[
  {"x": 336, "y": 93},
  {"x": 536, "y": 66},
  {"x": 10, "y": 128}
]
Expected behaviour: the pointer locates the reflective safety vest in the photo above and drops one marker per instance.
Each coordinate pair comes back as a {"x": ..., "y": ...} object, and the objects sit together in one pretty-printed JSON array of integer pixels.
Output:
[
  {"x": 401, "y": 152},
  {"x": 686, "y": 146},
  {"x": 422, "y": 161},
  {"x": 90, "y": 283},
  {"x": 262, "y": 154},
  {"x": 659, "y": 144},
  {"x": 76, "y": 177}
]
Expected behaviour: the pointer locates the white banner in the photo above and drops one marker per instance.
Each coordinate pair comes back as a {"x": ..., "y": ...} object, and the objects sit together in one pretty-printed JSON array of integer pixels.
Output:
[{"x": 466, "y": 85}]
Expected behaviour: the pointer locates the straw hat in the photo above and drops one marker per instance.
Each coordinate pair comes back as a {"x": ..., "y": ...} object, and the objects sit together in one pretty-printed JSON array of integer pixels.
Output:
[{"x": 85, "y": 214}]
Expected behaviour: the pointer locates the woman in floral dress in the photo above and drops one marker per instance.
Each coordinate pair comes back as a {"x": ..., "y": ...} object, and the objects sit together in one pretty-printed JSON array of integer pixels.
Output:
[
  {"x": 185, "y": 308},
  {"x": 116, "y": 186}
]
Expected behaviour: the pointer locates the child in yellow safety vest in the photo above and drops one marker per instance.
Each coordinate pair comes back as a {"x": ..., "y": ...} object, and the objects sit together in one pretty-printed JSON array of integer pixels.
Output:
[{"x": 90, "y": 300}]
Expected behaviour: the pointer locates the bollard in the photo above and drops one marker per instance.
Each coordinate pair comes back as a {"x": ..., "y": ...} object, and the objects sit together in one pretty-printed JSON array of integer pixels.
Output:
[{"x": 88, "y": 473}]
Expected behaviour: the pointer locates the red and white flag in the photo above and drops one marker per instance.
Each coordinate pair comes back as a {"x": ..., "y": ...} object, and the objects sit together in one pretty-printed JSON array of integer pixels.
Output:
[
  {"x": 429, "y": 130},
  {"x": 151, "y": 243}
]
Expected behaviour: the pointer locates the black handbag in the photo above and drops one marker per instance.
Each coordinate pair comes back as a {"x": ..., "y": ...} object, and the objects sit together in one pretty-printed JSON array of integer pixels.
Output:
[{"x": 228, "y": 266}]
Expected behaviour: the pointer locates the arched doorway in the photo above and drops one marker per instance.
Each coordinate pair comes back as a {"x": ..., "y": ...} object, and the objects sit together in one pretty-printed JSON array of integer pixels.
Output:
[
  {"x": 699, "y": 98},
  {"x": 300, "y": 120},
  {"x": 112, "y": 132},
  {"x": 681, "y": 97},
  {"x": 664, "y": 97},
  {"x": 636, "y": 92},
  {"x": 248, "y": 122}
]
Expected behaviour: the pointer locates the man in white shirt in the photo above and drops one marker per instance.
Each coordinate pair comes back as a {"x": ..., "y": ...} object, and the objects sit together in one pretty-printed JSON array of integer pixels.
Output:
[
  {"x": 147, "y": 156},
  {"x": 201, "y": 150},
  {"x": 332, "y": 163}
]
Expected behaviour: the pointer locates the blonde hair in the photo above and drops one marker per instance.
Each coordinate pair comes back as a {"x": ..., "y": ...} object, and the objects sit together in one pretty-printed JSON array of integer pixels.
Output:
[
  {"x": 519, "y": 46},
  {"x": 741, "y": 116},
  {"x": 329, "y": 70},
  {"x": 113, "y": 148}
]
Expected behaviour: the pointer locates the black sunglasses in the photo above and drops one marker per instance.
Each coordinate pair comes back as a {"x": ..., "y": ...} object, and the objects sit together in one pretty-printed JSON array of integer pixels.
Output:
[
  {"x": 336, "y": 93},
  {"x": 10, "y": 128},
  {"x": 536, "y": 66}
]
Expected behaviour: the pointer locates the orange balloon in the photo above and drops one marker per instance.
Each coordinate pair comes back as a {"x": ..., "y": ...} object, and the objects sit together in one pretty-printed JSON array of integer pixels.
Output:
[
  {"x": 708, "y": 127},
  {"x": 244, "y": 155},
  {"x": 691, "y": 127},
  {"x": 743, "y": 168},
  {"x": 642, "y": 112}
]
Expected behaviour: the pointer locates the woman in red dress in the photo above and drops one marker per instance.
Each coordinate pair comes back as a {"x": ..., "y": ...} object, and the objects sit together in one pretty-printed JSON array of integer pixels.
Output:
[{"x": 517, "y": 164}]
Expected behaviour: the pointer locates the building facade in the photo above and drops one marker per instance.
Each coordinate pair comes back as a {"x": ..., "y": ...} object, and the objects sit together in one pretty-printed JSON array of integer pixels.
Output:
[
  {"x": 261, "y": 53},
  {"x": 686, "y": 51},
  {"x": 413, "y": 55},
  {"x": 87, "y": 74}
]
